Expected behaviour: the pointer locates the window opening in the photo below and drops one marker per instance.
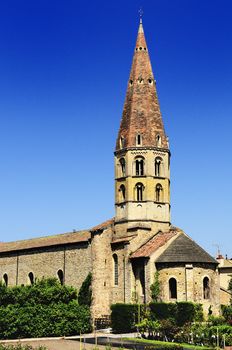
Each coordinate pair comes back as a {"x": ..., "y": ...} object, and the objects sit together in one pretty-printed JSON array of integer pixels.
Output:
[
  {"x": 139, "y": 139},
  {"x": 158, "y": 140},
  {"x": 5, "y": 279},
  {"x": 158, "y": 162},
  {"x": 115, "y": 257},
  {"x": 60, "y": 275},
  {"x": 206, "y": 288},
  {"x": 139, "y": 192},
  {"x": 158, "y": 193},
  {"x": 122, "y": 142},
  {"x": 122, "y": 191},
  {"x": 123, "y": 166},
  {"x": 172, "y": 288},
  {"x": 139, "y": 167},
  {"x": 31, "y": 278}
]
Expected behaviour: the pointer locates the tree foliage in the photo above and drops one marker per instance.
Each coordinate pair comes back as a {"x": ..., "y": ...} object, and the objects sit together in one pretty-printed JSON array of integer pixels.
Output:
[
  {"x": 43, "y": 309},
  {"x": 155, "y": 288},
  {"x": 85, "y": 292}
]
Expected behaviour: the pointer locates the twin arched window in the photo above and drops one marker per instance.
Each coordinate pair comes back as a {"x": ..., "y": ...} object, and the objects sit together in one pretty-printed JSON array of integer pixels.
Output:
[
  {"x": 139, "y": 167},
  {"x": 139, "y": 190},
  {"x": 115, "y": 258},
  {"x": 158, "y": 164},
  {"x": 159, "y": 193},
  {"x": 123, "y": 166},
  {"x": 172, "y": 288}
]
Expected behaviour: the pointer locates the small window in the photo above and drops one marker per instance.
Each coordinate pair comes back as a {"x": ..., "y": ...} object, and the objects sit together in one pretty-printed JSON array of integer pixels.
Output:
[
  {"x": 122, "y": 191},
  {"x": 140, "y": 81},
  {"x": 139, "y": 189},
  {"x": 158, "y": 193},
  {"x": 172, "y": 288},
  {"x": 139, "y": 167},
  {"x": 140, "y": 48},
  {"x": 60, "y": 275},
  {"x": 122, "y": 142},
  {"x": 31, "y": 278},
  {"x": 138, "y": 140},
  {"x": 5, "y": 279},
  {"x": 158, "y": 140},
  {"x": 150, "y": 81},
  {"x": 206, "y": 288},
  {"x": 123, "y": 166},
  {"x": 131, "y": 82},
  {"x": 115, "y": 258}
]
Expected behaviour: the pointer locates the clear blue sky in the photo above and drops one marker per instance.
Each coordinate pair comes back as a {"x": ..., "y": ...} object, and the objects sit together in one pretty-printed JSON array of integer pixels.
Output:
[{"x": 64, "y": 67}]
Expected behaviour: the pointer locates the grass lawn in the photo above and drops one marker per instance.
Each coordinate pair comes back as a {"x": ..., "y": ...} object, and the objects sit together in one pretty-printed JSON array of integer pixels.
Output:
[{"x": 158, "y": 342}]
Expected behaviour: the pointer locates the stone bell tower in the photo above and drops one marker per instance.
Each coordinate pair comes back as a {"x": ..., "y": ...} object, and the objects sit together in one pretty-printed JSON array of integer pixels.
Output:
[{"x": 142, "y": 156}]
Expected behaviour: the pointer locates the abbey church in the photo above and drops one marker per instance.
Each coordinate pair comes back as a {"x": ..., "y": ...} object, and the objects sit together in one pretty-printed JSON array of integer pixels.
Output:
[{"x": 125, "y": 252}]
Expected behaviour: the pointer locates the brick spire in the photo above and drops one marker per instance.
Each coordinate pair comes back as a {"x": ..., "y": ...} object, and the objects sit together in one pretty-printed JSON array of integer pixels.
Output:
[{"x": 141, "y": 112}]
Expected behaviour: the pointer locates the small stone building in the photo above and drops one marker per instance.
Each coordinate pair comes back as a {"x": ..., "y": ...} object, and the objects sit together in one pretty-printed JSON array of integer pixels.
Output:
[
  {"x": 124, "y": 253},
  {"x": 225, "y": 275}
]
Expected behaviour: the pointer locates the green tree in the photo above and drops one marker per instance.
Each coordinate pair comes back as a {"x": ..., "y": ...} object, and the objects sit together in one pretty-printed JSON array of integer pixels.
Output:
[
  {"x": 155, "y": 288},
  {"x": 85, "y": 292}
]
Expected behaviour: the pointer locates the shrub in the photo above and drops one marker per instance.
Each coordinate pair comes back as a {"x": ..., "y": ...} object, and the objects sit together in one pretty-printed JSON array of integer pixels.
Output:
[
  {"x": 163, "y": 311},
  {"x": 124, "y": 317},
  {"x": 227, "y": 313},
  {"x": 185, "y": 313},
  {"x": 44, "y": 309},
  {"x": 180, "y": 312}
]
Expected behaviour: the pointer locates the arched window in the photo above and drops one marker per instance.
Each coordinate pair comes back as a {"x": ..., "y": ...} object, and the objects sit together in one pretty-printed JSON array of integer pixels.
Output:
[
  {"x": 158, "y": 193},
  {"x": 206, "y": 288},
  {"x": 123, "y": 166},
  {"x": 5, "y": 279},
  {"x": 158, "y": 162},
  {"x": 31, "y": 278},
  {"x": 60, "y": 275},
  {"x": 115, "y": 258},
  {"x": 139, "y": 167},
  {"x": 139, "y": 189},
  {"x": 172, "y": 288},
  {"x": 122, "y": 193}
]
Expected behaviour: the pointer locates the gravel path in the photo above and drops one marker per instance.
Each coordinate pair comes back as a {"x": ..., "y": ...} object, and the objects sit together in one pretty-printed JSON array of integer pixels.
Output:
[{"x": 59, "y": 344}]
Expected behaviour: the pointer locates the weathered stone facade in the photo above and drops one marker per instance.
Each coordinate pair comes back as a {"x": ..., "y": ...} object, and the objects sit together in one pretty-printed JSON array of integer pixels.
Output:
[{"x": 124, "y": 253}]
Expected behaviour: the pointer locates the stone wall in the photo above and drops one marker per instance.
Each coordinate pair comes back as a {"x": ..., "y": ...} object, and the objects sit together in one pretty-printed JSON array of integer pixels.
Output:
[
  {"x": 74, "y": 260},
  {"x": 190, "y": 284}
]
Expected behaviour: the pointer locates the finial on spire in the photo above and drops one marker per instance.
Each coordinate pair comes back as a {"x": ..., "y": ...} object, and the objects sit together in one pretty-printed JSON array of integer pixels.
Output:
[
  {"x": 141, "y": 14},
  {"x": 140, "y": 22}
]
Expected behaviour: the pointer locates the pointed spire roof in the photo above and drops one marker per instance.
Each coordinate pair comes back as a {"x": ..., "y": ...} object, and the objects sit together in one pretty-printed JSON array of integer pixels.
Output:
[{"x": 141, "y": 112}]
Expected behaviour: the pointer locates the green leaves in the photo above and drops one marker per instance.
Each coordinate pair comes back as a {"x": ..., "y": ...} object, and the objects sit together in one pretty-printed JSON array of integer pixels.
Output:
[{"x": 46, "y": 308}]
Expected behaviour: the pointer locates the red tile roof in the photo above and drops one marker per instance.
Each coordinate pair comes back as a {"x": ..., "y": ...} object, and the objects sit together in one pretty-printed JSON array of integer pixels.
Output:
[
  {"x": 141, "y": 112},
  {"x": 103, "y": 225},
  {"x": 48, "y": 241},
  {"x": 153, "y": 244}
]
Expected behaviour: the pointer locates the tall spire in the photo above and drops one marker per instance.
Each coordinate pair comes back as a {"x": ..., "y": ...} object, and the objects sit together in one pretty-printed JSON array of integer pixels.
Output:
[{"x": 141, "y": 113}]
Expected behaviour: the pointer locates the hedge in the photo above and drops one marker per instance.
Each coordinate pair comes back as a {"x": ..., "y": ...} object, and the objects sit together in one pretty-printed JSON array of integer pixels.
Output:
[
  {"x": 124, "y": 317},
  {"x": 180, "y": 312},
  {"x": 41, "y": 310}
]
